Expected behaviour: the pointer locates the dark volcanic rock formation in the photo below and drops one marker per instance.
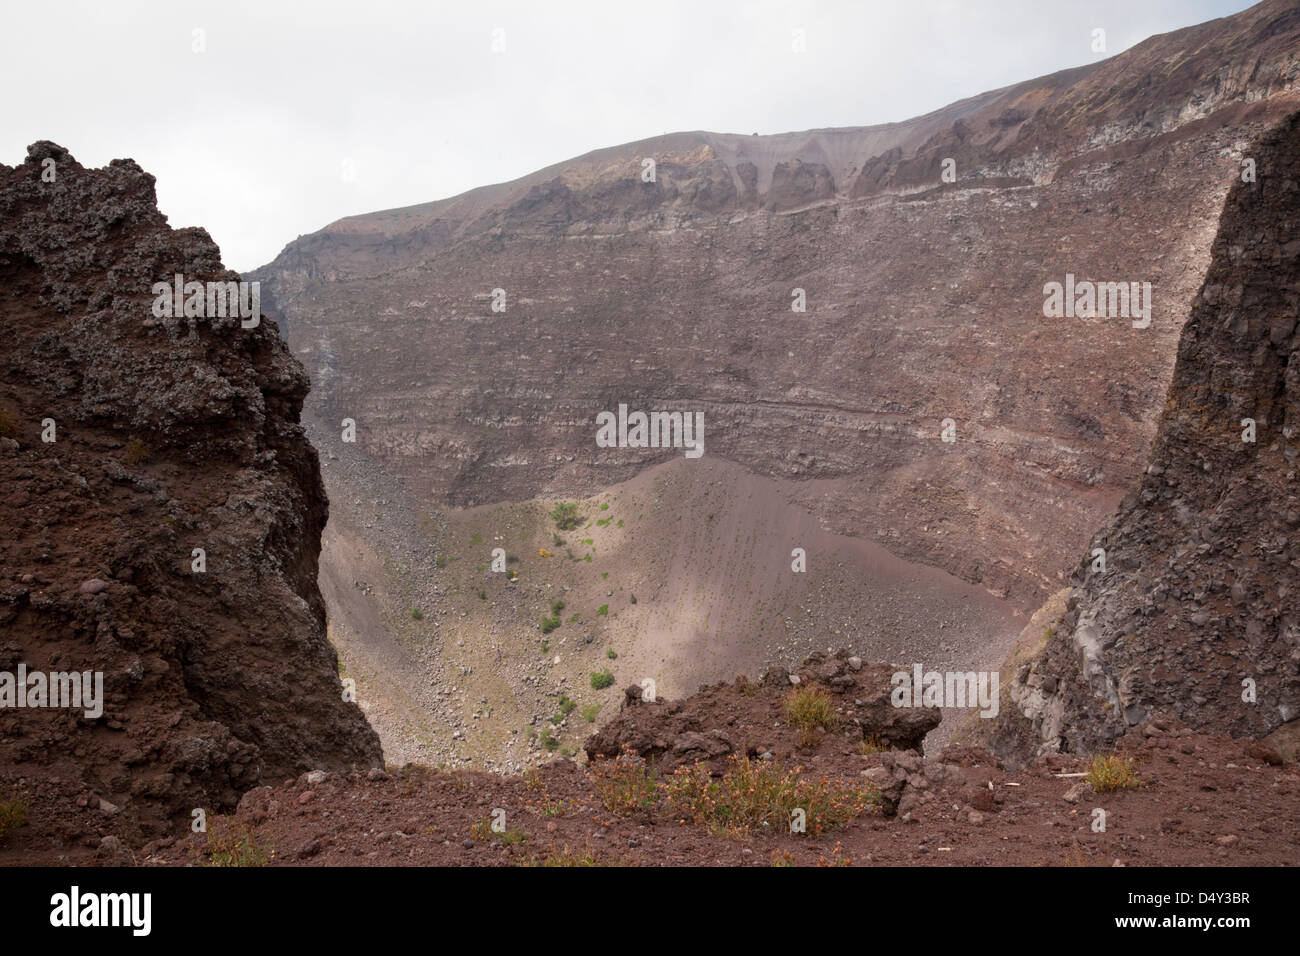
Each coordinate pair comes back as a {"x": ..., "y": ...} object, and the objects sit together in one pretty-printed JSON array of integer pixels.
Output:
[
  {"x": 1201, "y": 588},
  {"x": 747, "y": 718},
  {"x": 924, "y": 303},
  {"x": 170, "y": 435}
]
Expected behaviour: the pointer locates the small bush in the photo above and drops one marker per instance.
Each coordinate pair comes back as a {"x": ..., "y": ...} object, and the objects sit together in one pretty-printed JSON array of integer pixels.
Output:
[
  {"x": 626, "y": 784},
  {"x": 557, "y": 606},
  {"x": 564, "y": 858},
  {"x": 137, "y": 453},
  {"x": 632, "y": 599},
  {"x": 602, "y": 611},
  {"x": 808, "y": 708},
  {"x": 548, "y": 741},
  {"x": 601, "y": 679},
  {"x": 440, "y": 561},
  {"x": 416, "y": 614},
  {"x": 8, "y": 423},
  {"x": 611, "y": 654},
  {"x": 761, "y": 795},
  {"x": 1113, "y": 773},
  {"x": 590, "y": 711},
  {"x": 549, "y": 624},
  {"x": 237, "y": 846},
  {"x": 13, "y": 814},
  {"x": 566, "y": 516},
  {"x": 872, "y": 745}
]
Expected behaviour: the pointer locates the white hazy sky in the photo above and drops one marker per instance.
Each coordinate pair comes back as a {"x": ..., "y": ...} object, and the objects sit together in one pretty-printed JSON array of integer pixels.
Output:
[{"x": 250, "y": 138}]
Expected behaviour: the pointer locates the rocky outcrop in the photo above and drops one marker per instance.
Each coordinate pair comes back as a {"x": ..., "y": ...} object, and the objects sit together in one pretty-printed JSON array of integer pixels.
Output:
[
  {"x": 162, "y": 512},
  {"x": 1196, "y": 608},
  {"x": 748, "y": 718}
]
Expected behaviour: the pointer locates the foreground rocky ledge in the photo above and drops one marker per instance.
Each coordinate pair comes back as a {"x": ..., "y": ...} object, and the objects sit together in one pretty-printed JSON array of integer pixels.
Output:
[{"x": 1199, "y": 799}]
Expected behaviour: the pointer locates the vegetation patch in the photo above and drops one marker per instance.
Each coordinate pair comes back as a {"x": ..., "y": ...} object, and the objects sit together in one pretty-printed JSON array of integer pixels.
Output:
[
  {"x": 809, "y": 708},
  {"x": 1113, "y": 773},
  {"x": 566, "y": 516},
  {"x": 231, "y": 845},
  {"x": 626, "y": 784},
  {"x": 762, "y": 795},
  {"x": 13, "y": 814}
]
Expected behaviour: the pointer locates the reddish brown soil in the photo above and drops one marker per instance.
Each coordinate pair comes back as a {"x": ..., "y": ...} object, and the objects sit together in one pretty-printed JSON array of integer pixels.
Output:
[{"x": 1203, "y": 800}]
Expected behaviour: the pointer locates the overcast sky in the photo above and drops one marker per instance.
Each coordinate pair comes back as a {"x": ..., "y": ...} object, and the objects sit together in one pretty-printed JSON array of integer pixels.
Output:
[{"x": 297, "y": 114}]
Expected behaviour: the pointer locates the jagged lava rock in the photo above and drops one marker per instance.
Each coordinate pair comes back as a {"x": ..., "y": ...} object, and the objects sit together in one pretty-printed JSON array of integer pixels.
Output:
[
  {"x": 747, "y": 718},
  {"x": 171, "y": 435}
]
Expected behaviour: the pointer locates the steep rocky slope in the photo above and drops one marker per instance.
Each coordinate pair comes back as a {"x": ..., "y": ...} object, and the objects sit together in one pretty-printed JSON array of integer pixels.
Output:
[
  {"x": 1197, "y": 610},
  {"x": 924, "y": 303},
  {"x": 168, "y": 435}
]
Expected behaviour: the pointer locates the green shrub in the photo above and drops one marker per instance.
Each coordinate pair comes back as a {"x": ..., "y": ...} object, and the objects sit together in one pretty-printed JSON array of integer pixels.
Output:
[
  {"x": 566, "y": 516},
  {"x": 601, "y": 679},
  {"x": 13, "y": 814},
  {"x": 761, "y": 795},
  {"x": 626, "y": 784},
  {"x": 237, "y": 846},
  {"x": 1113, "y": 773},
  {"x": 602, "y": 611}
]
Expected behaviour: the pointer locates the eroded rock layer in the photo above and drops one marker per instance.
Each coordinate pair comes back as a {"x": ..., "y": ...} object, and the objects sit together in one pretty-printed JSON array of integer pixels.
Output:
[{"x": 924, "y": 303}]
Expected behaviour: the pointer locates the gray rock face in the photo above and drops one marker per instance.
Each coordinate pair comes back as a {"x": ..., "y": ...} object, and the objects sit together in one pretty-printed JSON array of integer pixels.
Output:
[{"x": 1197, "y": 612}]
